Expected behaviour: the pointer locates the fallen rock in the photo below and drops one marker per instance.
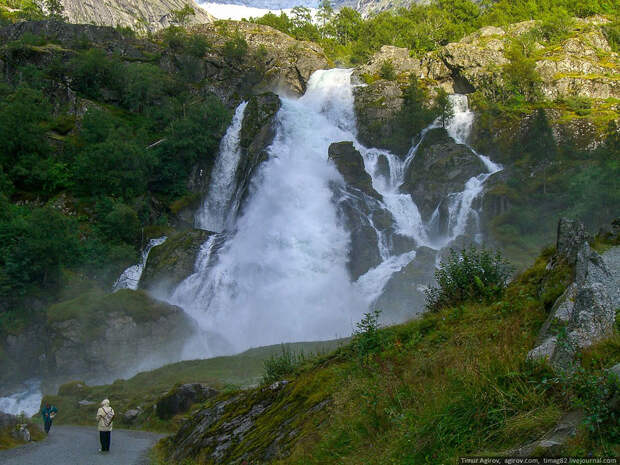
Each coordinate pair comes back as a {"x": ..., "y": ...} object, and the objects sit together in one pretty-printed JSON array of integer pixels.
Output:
[{"x": 131, "y": 415}]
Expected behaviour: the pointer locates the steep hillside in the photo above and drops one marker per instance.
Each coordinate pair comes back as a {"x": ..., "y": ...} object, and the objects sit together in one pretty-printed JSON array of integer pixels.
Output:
[{"x": 456, "y": 382}]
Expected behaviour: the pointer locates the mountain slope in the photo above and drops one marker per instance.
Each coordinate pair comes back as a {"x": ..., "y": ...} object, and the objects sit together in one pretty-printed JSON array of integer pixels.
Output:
[{"x": 151, "y": 15}]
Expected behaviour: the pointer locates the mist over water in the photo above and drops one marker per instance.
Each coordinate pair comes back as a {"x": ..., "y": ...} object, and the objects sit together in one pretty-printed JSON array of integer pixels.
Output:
[{"x": 279, "y": 272}]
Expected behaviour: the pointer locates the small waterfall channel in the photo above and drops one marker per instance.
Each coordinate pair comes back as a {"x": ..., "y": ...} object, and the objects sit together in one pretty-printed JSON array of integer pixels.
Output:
[
  {"x": 130, "y": 278},
  {"x": 279, "y": 272}
]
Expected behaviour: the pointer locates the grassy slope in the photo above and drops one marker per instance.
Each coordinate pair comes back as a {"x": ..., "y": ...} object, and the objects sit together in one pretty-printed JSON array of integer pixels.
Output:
[
  {"x": 145, "y": 388},
  {"x": 451, "y": 383}
]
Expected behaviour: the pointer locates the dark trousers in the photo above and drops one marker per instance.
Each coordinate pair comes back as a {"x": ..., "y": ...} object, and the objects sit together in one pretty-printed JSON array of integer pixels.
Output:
[
  {"x": 48, "y": 424},
  {"x": 104, "y": 438}
]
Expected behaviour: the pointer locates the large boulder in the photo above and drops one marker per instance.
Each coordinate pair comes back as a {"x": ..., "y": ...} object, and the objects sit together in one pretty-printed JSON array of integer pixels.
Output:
[
  {"x": 440, "y": 167},
  {"x": 181, "y": 398},
  {"x": 403, "y": 295},
  {"x": 99, "y": 337},
  {"x": 585, "y": 313},
  {"x": 171, "y": 262}
]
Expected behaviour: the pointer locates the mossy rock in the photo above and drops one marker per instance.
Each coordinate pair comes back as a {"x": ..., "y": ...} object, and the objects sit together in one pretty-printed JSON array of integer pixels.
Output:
[{"x": 173, "y": 261}]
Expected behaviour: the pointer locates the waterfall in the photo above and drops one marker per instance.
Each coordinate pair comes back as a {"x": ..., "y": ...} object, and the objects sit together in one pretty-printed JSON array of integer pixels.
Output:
[
  {"x": 220, "y": 205},
  {"x": 130, "y": 278},
  {"x": 27, "y": 400},
  {"x": 280, "y": 273}
]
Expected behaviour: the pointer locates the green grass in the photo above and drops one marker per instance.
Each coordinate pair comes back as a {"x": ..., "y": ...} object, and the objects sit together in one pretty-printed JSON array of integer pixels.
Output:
[
  {"x": 146, "y": 388},
  {"x": 449, "y": 384}
]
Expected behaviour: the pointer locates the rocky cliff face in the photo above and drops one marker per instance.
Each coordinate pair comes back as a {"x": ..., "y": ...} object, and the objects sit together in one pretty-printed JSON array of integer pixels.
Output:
[
  {"x": 140, "y": 15},
  {"x": 98, "y": 337}
]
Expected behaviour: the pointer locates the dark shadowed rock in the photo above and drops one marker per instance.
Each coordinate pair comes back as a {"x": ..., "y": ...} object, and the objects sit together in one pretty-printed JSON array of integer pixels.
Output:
[
  {"x": 181, "y": 398},
  {"x": 440, "y": 167},
  {"x": 350, "y": 164}
]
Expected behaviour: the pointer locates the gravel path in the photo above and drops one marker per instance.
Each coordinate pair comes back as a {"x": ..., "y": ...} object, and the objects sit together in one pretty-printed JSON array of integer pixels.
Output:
[{"x": 76, "y": 445}]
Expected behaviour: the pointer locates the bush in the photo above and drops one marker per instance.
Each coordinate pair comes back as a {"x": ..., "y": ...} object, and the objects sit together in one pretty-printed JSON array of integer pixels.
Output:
[
  {"x": 235, "y": 49},
  {"x": 387, "y": 71},
  {"x": 280, "y": 365},
  {"x": 473, "y": 275}
]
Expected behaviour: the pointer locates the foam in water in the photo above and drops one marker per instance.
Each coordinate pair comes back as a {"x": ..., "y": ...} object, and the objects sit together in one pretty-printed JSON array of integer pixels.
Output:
[
  {"x": 218, "y": 208},
  {"x": 130, "y": 278},
  {"x": 27, "y": 401},
  {"x": 281, "y": 274}
]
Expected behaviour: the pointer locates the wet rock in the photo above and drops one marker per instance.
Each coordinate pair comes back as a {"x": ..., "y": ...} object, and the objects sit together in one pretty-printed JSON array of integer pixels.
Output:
[
  {"x": 440, "y": 167},
  {"x": 171, "y": 262},
  {"x": 7, "y": 420},
  {"x": 383, "y": 167},
  {"x": 403, "y": 295},
  {"x": 181, "y": 398},
  {"x": 350, "y": 164},
  {"x": 258, "y": 130},
  {"x": 86, "y": 403}
]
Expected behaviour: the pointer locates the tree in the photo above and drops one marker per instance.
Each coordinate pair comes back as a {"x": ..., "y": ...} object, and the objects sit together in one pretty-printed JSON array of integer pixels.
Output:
[
  {"x": 325, "y": 13},
  {"x": 55, "y": 9},
  {"x": 181, "y": 17},
  {"x": 444, "y": 107}
]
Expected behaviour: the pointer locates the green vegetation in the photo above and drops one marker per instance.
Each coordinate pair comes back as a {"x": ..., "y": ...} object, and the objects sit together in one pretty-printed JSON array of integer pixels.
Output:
[
  {"x": 8, "y": 438},
  {"x": 455, "y": 382},
  {"x": 469, "y": 276},
  {"x": 79, "y": 180},
  {"x": 146, "y": 388},
  {"x": 350, "y": 39}
]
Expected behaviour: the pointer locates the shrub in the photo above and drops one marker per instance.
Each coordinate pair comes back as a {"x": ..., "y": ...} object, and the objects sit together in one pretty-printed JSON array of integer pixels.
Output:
[
  {"x": 235, "y": 49},
  {"x": 387, "y": 71},
  {"x": 282, "y": 364},
  {"x": 472, "y": 275}
]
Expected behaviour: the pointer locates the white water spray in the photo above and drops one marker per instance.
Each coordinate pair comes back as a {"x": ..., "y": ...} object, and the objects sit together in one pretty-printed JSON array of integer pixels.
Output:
[
  {"x": 220, "y": 206},
  {"x": 281, "y": 274},
  {"x": 130, "y": 278}
]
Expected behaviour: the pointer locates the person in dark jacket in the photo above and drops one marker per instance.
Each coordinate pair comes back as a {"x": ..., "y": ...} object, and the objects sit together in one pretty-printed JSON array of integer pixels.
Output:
[{"x": 48, "y": 412}]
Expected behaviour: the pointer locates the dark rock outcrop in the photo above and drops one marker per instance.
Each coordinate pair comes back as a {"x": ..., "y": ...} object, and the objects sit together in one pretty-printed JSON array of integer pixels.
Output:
[
  {"x": 440, "y": 167},
  {"x": 350, "y": 164},
  {"x": 181, "y": 398},
  {"x": 570, "y": 238},
  {"x": 173, "y": 261},
  {"x": 360, "y": 208}
]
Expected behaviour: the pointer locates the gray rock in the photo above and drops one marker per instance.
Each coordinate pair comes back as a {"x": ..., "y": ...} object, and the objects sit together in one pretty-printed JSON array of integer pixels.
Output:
[
  {"x": 552, "y": 442},
  {"x": 570, "y": 237},
  {"x": 86, "y": 403},
  {"x": 181, "y": 398},
  {"x": 611, "y": 258},
  {"x": 131, "y": 415},
  {"x": 7, "y": 420},
  {"x": 584, "y": 314},
  {"x": 142, "y": 15}
]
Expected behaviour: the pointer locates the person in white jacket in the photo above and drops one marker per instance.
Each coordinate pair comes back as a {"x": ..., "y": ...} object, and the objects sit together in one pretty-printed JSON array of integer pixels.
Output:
[{"x": 105, "y": 417}]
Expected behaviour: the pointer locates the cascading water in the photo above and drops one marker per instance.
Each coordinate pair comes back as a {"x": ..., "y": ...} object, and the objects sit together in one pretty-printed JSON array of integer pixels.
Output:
[
  {"x": 27, "y": 400},
  {"x": 280, "y": 274},
  {"x": 220, "y": 205},
  {"x": 130, "y": 278}
]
